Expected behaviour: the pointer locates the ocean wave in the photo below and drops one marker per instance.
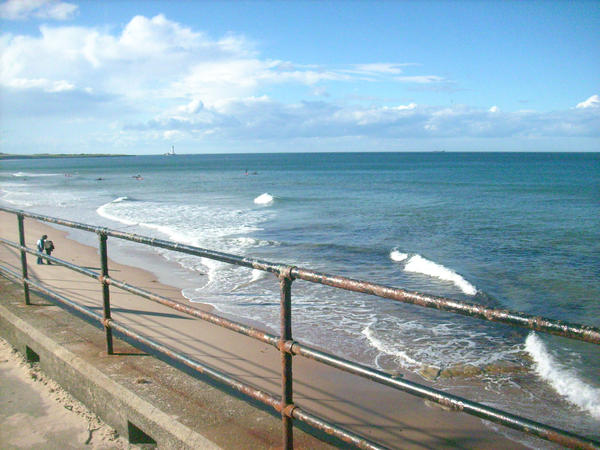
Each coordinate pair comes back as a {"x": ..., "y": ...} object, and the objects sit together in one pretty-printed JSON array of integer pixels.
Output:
[
  {"x": 264, "y": 199},
  {"x": 398, "y": 256},
  {"x": 405, "y": 360},
  {"x": 418, "y": 264},
  {"x": 103, "y": 211},
  {"x": 257, "y": 275},
  {"x": 249, "y": 242},
  {"x": 29, "y": 174},
  {"x": 14, "y": 198},
  {"x": 562, "y": 380},
  {"x": 172, "y": 233},
  {"x": 441, "y": 350}
]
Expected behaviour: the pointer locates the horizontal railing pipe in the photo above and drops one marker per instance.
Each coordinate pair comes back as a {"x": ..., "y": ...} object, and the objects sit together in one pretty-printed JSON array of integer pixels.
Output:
[
  {"x": 254, "y": 393},
  {"x": 255, "y": 333},
  {"x": 250, "y": 391},
  {"x": 452, "y": 401},
  {"x": 212, "y": 318},
  {"x": 55, "y": 220},
  {"x": 11, "y": 274},
  {"x": 61, "y": 262},
  {"x": 155, "y": 242},
  {"x": 55, "y": 295},
  {"x": 560, "y": 328},
  {"x": 319, "y": 424},
  {"x": 584, "y": 333},
  {"x": 250, "y": 263}
]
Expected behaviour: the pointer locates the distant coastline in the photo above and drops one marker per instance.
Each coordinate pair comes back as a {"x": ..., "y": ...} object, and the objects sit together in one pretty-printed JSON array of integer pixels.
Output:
[{"x": 59, "y": 155}]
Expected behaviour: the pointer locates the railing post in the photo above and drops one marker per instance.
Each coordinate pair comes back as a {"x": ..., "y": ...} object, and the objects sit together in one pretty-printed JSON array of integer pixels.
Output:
[
  {"x": 285, "y": 283},
  {"x": 105, "y": 292},
  {"x": 23, "y": 258}
]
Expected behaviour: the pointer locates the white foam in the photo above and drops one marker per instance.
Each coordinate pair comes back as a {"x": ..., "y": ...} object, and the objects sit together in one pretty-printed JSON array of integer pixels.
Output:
[
  {"x": 103, "y": 211},
  {"x": 257, "y": 275},
  {"x": 398, "y": 256},
  {"x": 172, "y": 233},
  {"x": 29, "y": 174},
  {"x": 264, "y": 199},
  {"x": 248, "y": 242},
  {"x": 405, "y": 360},
  {"x": 563, "y": 380},
  {"x": 418, "y": 264},
  {"x": 15, "y": 198}
]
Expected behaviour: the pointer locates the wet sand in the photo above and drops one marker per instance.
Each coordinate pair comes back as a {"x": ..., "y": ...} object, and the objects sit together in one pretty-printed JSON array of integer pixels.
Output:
[{"x": 382, "y": 414}]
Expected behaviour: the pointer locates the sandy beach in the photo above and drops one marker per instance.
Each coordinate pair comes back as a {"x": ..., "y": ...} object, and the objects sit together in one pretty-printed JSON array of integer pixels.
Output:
[
  {"x": 36, "y": 412},
  {"x": 382, "y": 414}
]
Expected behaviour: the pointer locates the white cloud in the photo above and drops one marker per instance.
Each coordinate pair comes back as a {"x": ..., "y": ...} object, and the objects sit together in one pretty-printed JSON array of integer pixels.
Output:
[
  {"x": 320, "y": 91},
  {"x": 143, "y": 37},
  {"x": 172, "y": 135},
  {"x": 422, "y": 79},
  {"x": 42, "y": 9},
  {"x": 379, "y": 68},
  {"x": 41, "y": 83},
  {"x": 592, "y": 102},
  {"x": 494, "y": 109},
  {"x": 192, "y": 107},
  {"x": 151, "y": 59}
]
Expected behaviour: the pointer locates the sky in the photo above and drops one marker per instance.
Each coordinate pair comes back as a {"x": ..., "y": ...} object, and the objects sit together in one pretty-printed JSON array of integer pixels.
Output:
[{"x": 138, "y": 77}]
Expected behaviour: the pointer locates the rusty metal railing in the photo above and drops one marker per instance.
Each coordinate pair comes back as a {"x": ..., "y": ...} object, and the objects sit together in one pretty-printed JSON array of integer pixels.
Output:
[{"x": 285, "y": 343}]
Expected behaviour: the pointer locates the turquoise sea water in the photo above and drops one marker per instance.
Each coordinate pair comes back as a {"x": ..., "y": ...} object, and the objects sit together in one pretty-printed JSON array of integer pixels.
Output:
[{"x": 510, "y": 230}]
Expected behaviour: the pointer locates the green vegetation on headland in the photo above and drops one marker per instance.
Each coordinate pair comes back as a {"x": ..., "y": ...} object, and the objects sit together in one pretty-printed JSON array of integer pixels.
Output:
[{"x": 58, "y": 155}]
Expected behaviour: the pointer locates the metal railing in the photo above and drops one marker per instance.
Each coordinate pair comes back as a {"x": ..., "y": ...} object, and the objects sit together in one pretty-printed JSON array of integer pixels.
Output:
[{"x": 285, "y": 343}]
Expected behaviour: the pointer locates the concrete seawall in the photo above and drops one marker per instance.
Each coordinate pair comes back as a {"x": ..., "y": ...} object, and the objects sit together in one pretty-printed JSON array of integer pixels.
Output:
[{"x": 143, "y": 398}]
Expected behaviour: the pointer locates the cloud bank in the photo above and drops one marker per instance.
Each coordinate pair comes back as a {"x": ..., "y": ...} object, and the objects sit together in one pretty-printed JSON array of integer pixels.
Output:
[{"x": 156, "y": 77}]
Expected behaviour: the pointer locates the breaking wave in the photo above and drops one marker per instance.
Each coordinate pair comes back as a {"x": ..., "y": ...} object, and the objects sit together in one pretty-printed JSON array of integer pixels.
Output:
[
  {"x": 398, "y": 256},
  {"x": 103, "y": 211},
  {"x": 29, "y": 174},
  {"x": 405, "y": 360},
  {"x": 418, "y": 264},
  {"x": 264, "y": 199},
  {"x": 563, "y": 380}
]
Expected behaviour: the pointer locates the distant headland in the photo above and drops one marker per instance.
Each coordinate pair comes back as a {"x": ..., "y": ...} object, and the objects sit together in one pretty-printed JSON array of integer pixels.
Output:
[{"x": 58, "y": 155}]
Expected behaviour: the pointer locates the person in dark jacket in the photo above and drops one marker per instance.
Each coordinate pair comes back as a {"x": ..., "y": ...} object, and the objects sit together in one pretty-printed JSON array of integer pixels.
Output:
[
  {"x": 40, "y": 248},
  {"x": 48, "y": 246}
]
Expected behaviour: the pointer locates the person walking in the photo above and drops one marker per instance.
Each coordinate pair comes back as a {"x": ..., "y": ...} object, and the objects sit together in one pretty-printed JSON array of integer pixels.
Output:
[{"x": 40, "y": 248}]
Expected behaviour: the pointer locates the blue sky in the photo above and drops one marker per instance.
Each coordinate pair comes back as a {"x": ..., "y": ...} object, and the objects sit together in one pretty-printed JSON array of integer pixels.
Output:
[{"x": 216, "y": 77}]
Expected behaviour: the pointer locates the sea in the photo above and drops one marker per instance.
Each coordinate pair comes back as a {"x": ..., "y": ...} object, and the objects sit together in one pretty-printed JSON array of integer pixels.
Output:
[{"x": 518, "y": 231}]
